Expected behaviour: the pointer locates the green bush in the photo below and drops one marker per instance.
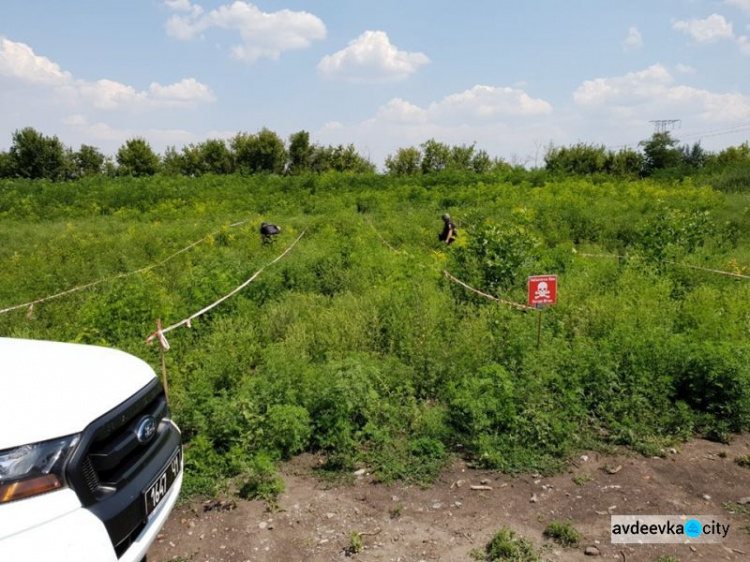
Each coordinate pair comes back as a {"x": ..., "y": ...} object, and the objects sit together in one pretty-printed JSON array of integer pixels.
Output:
[
  {"x": 563, "y": 533},
  {"x": 289, "y": 429},
  {"x": 259, "y": 480},
  {"x": 504, "y": 546}
]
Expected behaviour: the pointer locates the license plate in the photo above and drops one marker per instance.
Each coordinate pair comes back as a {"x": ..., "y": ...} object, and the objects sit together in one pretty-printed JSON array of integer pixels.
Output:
[{"x": 158, "y": 490}]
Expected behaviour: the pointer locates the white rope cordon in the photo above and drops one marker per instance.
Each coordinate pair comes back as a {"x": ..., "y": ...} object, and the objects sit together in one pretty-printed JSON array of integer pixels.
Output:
[
  {"x": 159, "y": 334},
  {"x": 685, "y": 265},
  {"x": 717, "y": 271},
  {"x": 488, "y": 296},
  {"x": 383, "y": 240},
  {"x": 30, "y": 304}
]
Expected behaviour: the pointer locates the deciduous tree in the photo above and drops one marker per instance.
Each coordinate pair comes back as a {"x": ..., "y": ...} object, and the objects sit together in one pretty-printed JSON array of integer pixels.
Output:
[
  {"x": 36, "y": 156},
  {"x": 136, "y": 158},
  {"x": 406, "y": 162},
  {"x": 660, "y": 152},
  {"x": 262, "y": 152},
  {"x": 88, "y": 161},
  {"x": 300, "y": 152}
]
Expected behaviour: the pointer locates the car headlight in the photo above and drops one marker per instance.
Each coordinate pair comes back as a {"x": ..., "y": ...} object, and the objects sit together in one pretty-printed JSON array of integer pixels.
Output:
[{"x": 34, "y": 469}]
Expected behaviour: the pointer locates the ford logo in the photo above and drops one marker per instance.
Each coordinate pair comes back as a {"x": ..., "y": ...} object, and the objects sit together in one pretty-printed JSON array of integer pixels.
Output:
[{"x": 145, "y": 429}]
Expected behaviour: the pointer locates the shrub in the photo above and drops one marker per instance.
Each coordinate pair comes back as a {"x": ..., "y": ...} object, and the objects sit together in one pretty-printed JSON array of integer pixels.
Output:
[
  {"x": 260, "y": 481},
  {"x": 505, "y": 546},
  {"x": 563, "y": 533},
  {"x": 288, "y": 429}
]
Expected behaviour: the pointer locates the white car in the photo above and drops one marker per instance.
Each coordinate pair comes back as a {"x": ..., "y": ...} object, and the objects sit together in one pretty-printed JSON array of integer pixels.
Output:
[{"x": 90, "y": 460}]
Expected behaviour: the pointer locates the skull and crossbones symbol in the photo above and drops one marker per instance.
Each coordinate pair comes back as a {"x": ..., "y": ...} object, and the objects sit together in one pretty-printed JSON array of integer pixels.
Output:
[{"x": 542, "y": 291}]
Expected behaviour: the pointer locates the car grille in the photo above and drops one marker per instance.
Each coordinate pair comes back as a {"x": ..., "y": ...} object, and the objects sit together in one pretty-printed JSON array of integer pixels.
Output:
[
  {"x": 116, "y": 454},
  {"x": 112, "y": 468},
  {"x": 110, "y": 454}
]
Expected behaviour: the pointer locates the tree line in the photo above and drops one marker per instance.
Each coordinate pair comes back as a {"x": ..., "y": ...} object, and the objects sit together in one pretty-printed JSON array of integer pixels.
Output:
[
  {"x": 660, "y": 155},
  {"x": 33, "y": 155}
]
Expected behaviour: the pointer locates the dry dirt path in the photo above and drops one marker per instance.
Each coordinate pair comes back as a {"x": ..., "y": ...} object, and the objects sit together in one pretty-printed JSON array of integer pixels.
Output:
[{"x": 445, "y": 522}]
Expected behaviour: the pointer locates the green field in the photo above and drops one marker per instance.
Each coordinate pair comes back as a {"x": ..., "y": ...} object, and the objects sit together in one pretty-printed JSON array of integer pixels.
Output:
[{"x": 355, "y": 345}]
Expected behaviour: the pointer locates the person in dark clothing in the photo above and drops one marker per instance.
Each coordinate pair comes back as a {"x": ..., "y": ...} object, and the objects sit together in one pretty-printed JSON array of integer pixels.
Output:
[
  {"x": 268, "y": 231},
  {"x": 449, "y": 230}
]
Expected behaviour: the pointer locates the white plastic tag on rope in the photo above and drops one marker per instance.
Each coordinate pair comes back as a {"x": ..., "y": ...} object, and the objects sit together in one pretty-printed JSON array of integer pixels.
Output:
[
  {"x": 162, "y": 340},
  {"x": 30, "y": 312}
]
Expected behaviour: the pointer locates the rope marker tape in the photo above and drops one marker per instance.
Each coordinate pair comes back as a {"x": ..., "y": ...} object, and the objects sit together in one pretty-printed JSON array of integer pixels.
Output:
[
  {"x": 488, "y": 296},
  {"x": 187, "y": 321},
  {"x": 688, "y": 266},
  {"x": 31, "y": 304}
]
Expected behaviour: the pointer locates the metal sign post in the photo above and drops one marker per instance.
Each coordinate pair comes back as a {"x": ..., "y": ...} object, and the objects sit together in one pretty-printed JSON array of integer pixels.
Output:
[{"x": 542, "y": 292}]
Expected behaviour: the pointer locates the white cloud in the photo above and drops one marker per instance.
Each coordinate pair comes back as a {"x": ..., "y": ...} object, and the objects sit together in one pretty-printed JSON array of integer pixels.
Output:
[
  {"x": 635, "y": 84},
  {"x": 652, "y": 93},
  {"x": 371, "y": 58},
  {"x": 401, "y": 111},
  {"x": 685, "y": 69},
  {"x": 264, "y": 34},
  {"x": 75, "y": 120},
  {"x": 477, "y": 105},
  {"x": 709, "y": 30},
  {"x": 184, "y": 6},
  {"x": 489, "y": 103},
  {"x": 633, "y": 41},
  {"x": 19, "y": 64},
  {"x": 108, "y": 94},
  {"x": 18, "y": 60},
  {"x": 742, "y": 4},
  {"x": 188, "y": 90},
  {"x": 113, "y": 136},
  {"x": 503, "y": 120},
  {"x": 715, "y": 28},
  {"x": 333, "y": 126}
]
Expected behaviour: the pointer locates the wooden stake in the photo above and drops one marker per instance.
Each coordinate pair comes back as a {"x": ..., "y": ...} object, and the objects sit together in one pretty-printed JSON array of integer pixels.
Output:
[
  {"x": 163, "y": 361},
  {"x": 539, "y": 328}
]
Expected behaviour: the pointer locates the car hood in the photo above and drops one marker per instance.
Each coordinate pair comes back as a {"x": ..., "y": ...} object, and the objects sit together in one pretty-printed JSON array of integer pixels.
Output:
[{"x": 52, "y": 389}]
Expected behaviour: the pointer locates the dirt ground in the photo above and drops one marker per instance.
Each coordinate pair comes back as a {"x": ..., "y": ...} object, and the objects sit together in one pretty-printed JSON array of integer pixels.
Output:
[{"x": 398, "y": 523}]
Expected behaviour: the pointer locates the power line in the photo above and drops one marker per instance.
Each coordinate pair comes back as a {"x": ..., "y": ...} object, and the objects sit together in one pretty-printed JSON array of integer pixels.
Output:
[
  {"x": 717, "y": 132},
  {"x": 737, "y": 128}
]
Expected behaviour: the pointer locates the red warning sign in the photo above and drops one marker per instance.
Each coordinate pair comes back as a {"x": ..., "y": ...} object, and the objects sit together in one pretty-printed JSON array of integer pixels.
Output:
[{"x": 542, "y": 289}]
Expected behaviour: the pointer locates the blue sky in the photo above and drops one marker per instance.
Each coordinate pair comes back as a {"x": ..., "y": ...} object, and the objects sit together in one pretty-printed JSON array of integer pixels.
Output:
[{"x": 511, "y": 75}]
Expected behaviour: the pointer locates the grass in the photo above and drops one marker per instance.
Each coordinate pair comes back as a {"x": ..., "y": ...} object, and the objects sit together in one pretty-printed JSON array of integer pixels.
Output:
[
  {"x": 737, "y": 509},
  {"x": 743, "y": 461},
  {"x": 581, "y": 478},
  {"x": 396, "y": 511},
  {"x": 505, "y": 546},
  {"x": 260, "y": 481},
  {"x": 563, "y": 533},
  {"x": 355, "y": 545}
]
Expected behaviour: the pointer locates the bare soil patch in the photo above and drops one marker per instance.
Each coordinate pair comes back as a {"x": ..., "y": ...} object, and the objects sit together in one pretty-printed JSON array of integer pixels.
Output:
[{"x": 315, "y": 520}]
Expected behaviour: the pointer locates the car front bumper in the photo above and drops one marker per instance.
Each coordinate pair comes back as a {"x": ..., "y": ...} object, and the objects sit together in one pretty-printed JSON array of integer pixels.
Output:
[{"x": 71, "y": 532}]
